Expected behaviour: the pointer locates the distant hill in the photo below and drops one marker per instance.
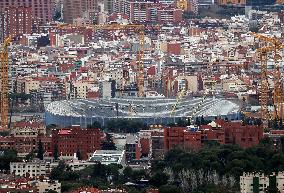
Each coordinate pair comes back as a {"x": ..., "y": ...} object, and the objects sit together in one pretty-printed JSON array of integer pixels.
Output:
[{"x": 260, "y": 2}]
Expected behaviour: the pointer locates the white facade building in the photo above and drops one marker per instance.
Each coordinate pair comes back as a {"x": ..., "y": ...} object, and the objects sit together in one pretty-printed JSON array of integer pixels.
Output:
[
  {"x": 43, "y": 168},
  {"x": 109, "y": 157},
  {"x": 256, "y": 182}
]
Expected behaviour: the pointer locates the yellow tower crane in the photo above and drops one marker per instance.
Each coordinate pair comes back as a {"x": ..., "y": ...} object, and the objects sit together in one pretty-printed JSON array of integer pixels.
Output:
[
  {"x": 4, "y": 100},
  {"x": 137, "y": 28},
  {"x": 182, "y": 4},
  {"x": 274, "y": 47},
  {"x": 179, "y": 97}
]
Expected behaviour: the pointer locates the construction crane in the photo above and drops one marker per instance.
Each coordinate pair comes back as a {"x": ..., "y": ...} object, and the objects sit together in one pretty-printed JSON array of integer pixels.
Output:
[
  {"x": 264, "y": 87},
  {"x": 137, "y": 28},
  {"x": 4, "y": 100},
  {"x": 131, "y": 110},
  {"x": 182, "y": 4},
  {"x": 274, "y": 47},
  {"x": 179, "y": 97},
  {"x": 197, "y": 108}
]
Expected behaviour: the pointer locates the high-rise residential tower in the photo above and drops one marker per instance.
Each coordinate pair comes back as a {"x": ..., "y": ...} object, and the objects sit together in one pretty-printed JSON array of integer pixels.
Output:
[{"x": 42, "y": 10}]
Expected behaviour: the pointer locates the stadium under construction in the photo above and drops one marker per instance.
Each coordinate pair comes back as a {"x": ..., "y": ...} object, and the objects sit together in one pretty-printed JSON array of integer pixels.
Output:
[{"x": 147, "y": 110}]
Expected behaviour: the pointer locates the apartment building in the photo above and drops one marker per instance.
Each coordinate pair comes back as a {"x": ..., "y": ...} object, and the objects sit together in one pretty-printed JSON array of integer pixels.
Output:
[
  {"x": 258, "y": 182},
  {"x": 41, "y": 10},
  {"x": 219, "y": 130},
  {"x": 15, "y": 21},
  {"x": 71, "y": 140},
  {"x": 44, "y": 167}
]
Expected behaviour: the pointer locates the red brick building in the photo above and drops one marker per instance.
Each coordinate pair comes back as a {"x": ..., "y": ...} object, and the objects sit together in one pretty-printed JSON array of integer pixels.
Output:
[
  {"x": 174, "y": 48},
  {"x": 181, "y": 137},
  {"x": 42, "y": 10},
  {"x": 70, "y": 140},
  {"x": 15, "y": 21},
  {"x": 169, "y": 15},
  {"x": 144, "y": 141},
  {"x": 25, "y": 144},
  {"x": 244, "y": 135},
  {"x": 223, "y": 132},
  {"x": 213, "y": 132},
  {"x": 25, "y": 137},
  {"x": 149, "y": 11}
]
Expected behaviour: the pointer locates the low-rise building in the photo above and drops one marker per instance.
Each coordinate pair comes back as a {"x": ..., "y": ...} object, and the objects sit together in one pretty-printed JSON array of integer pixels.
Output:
[
  {"x": 44, "y": 167},
  {"x": 109, "y": 157},
  {"x": 46, "y": 185},
  {"x": 32, "y": 169},
  {"x": 157, "y": 143},
  {"x": 25, "y": 137},
  {"x": 258, "y": 183},
  {"x": 32, "y": 185},
  {"x": 132, "y": 148}
]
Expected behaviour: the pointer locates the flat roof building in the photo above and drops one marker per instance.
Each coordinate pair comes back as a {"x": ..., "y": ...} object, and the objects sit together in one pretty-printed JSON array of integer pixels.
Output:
[{"x": 109, "y": 157}]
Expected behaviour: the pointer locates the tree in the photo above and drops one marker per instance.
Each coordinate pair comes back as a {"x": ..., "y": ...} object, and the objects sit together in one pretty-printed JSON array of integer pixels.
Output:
[
  {"x": 169, "y": 189},
  {"x": 4, "y": 133},
  {"x": 6, "y": 157},
  {"x": 197, "y": 121},
  {"x": 159, "y": 179},
  {"x": 188, "y": 122},
  {"x": 127, "y": 173},
  {"x": 280, "y": 124},
  {"x": 52, "y": 191},
  {"x": 202, "y": 120},
  {"x": 63, "y": 173},
  {"x": 78, "y": 154},
  {"x": 40, "y": 150},
  {"x": 99, "y": 171},
  {"x": 95, "y": 125},
  {"x": 30, "y": 156},
  {"x": 108, "y": 144},
  {"x": 55, "y": 152}
]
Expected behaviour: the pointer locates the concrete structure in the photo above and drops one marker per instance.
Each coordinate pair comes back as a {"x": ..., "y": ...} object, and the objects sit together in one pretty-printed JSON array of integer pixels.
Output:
[
  {"x": 107, "y": 157},
  {"x": 258, "y": 183}
]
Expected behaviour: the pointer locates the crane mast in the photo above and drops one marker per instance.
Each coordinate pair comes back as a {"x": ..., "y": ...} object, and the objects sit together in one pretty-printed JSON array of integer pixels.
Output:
[
  {"x": 4, "y": 100},
  {"x": 275, "y": 45}
]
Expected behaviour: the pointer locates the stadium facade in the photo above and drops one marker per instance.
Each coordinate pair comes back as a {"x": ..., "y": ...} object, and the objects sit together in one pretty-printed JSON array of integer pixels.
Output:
[{"x": 147, "y": 110}]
